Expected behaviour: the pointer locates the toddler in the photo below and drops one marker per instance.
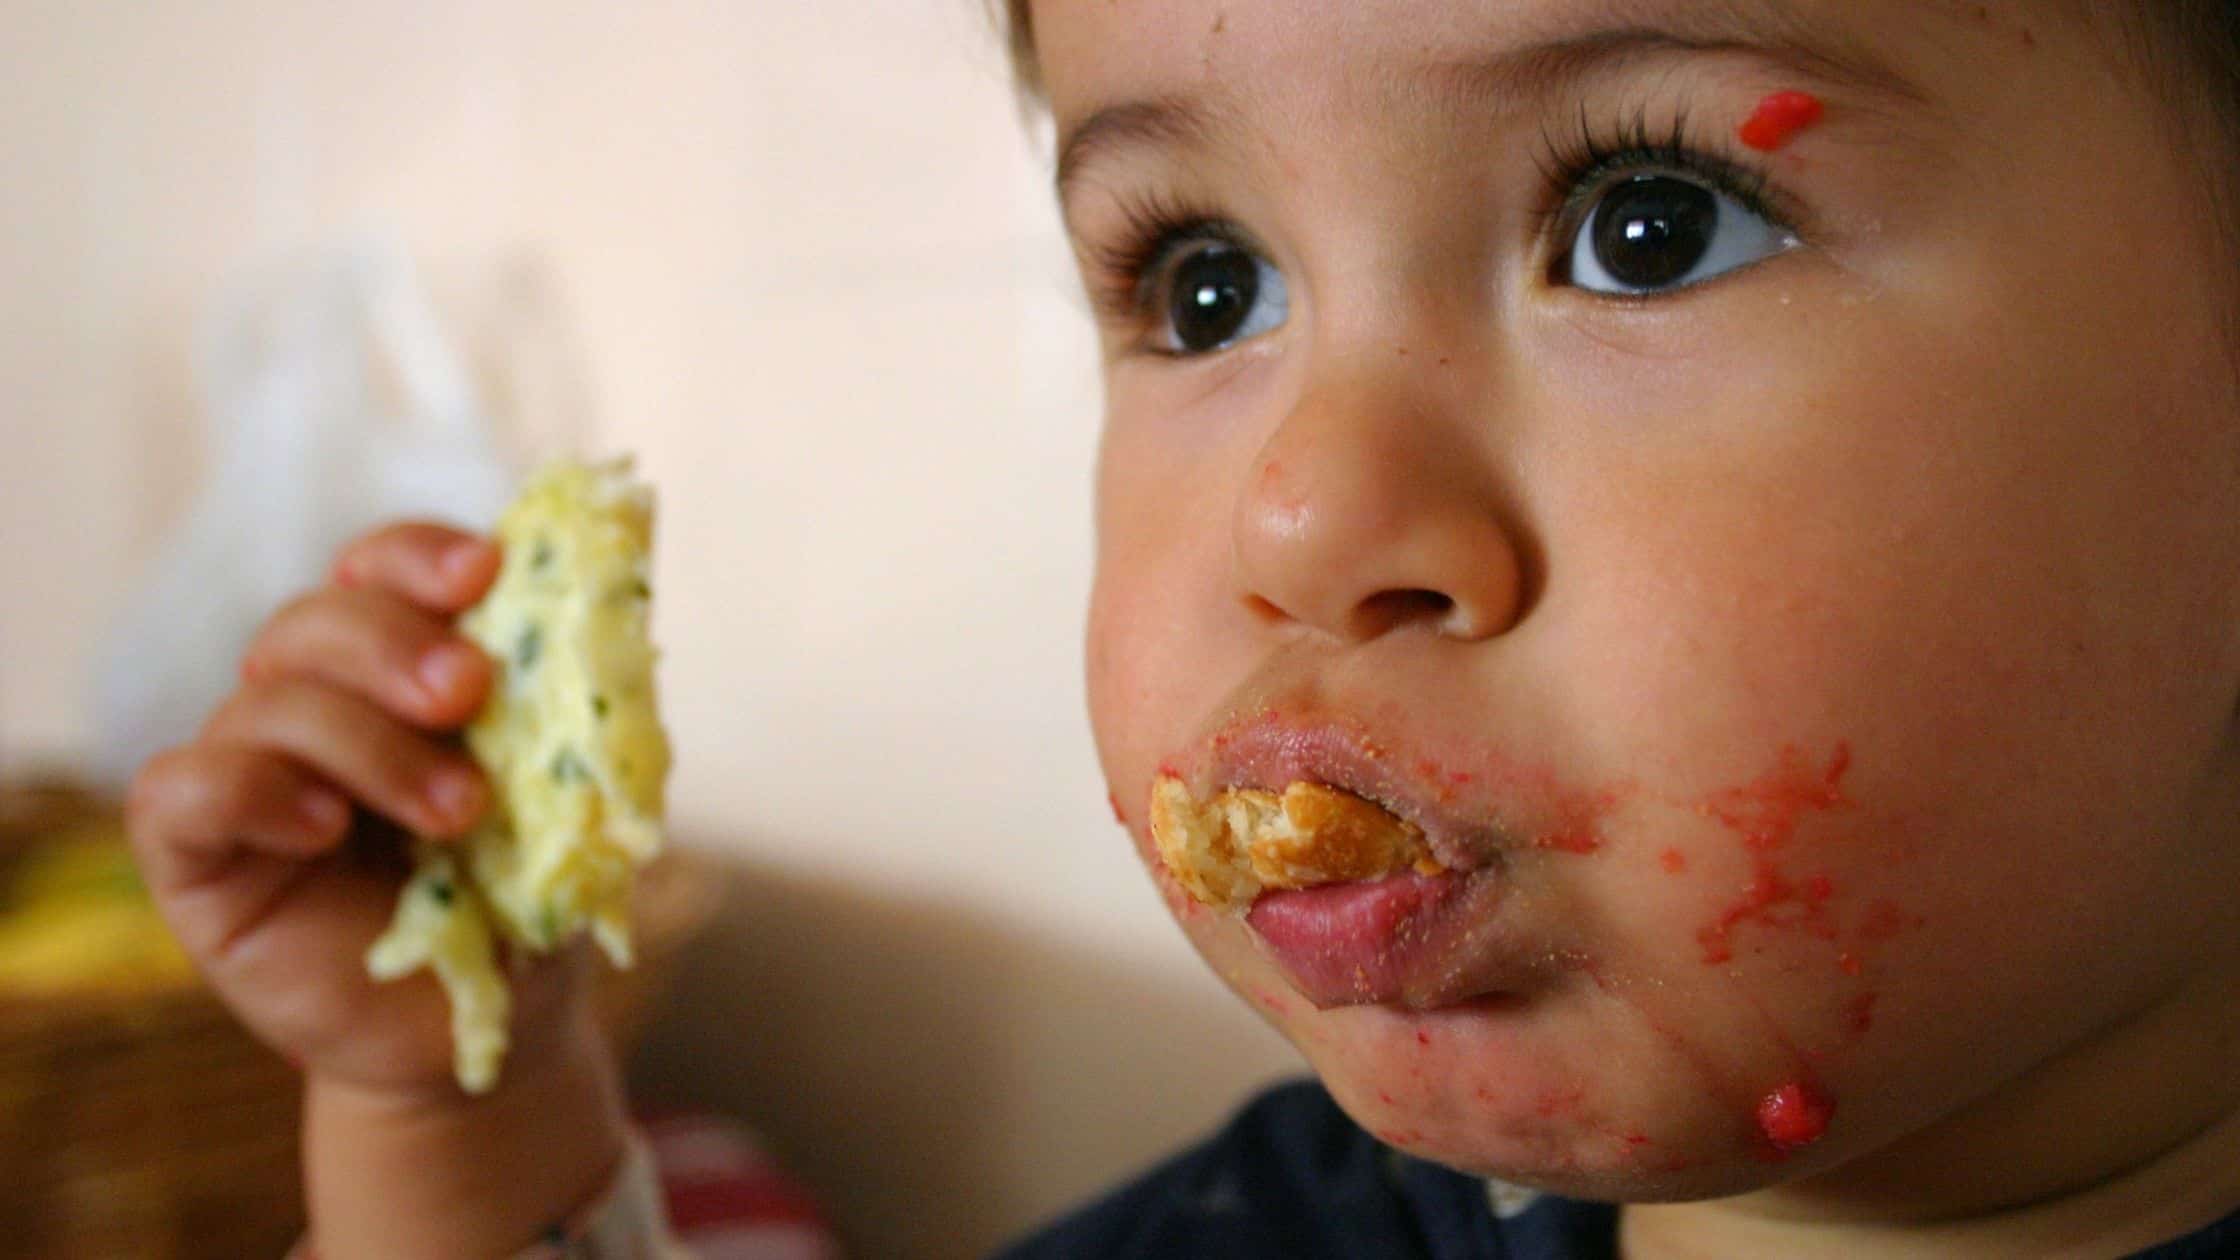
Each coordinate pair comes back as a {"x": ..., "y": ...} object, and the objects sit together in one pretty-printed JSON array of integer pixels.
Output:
[{"x": 1757, "y": 484}]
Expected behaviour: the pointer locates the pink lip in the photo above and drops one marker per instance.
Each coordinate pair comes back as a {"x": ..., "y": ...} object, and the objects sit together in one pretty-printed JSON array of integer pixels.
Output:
[
  {"x": 1408, "y": 940},
  {"x": 1386, "y": 941},
  {"x": 1268, "y": 750}
]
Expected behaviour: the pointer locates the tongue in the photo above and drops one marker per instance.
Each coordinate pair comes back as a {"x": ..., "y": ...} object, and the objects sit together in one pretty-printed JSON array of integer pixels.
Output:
[{"x": 1351, "y": 943}]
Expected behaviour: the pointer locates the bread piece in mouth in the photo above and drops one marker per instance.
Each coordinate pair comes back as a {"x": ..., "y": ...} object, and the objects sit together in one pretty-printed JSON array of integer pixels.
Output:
[{"x": 1228, "y": 850}]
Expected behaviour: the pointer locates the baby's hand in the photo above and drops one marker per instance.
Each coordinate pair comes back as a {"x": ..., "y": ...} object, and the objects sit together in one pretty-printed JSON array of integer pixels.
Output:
[{"x": 249, "y": 839}]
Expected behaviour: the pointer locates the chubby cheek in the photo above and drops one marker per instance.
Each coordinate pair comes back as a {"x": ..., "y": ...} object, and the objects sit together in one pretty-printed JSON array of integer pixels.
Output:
[
  {"x": 1148, "y": 678},
  {"x": 1136, "y": 701},
  {"x": 1758, "y": 978},
  {"x": 1720, "y": 964},
  {"x": 1115, "y": 679},
  {"x": 1156, "y": 656}
]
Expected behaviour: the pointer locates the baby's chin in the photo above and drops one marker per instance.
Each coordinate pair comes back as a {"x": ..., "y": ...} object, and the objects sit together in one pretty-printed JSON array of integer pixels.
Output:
[
  {"x": 1553, "y": 1139},
  {"x": 1541, "y": 1098},
  {"x": 1550, "y": 1078}
]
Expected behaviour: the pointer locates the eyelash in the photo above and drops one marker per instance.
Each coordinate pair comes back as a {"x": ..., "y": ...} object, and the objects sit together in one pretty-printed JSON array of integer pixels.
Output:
[
  {"x": 1575, "y": 166},
  {"x": 1153, "y": 228},
  {"x": 1578, "y": 165}
]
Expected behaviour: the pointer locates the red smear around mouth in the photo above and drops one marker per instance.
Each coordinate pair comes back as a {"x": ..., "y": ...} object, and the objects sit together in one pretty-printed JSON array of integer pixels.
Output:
[
  {"x": 1573, "y": 817},
  {"x": 1794, "y": 1116},
  {"x": 1778, "y": 118},
  {"x": 1578, "y": 825},
  {"x": 1118, "y": 815}
]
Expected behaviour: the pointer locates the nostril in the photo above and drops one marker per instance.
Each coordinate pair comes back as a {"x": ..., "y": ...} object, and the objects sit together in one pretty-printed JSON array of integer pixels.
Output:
[
  {"x": 1388, "y": 609},
  {"x": 1262, "y": 610}
]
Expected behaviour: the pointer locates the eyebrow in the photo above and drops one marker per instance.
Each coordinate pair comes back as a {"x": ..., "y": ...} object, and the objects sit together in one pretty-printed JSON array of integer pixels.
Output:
[
  {"x": 1162, "y": 121},
  {"x": 1766, "y": 32}
]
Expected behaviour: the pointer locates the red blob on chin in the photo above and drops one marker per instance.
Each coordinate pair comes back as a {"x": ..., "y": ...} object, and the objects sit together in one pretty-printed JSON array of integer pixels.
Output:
[{"x": 1795, "y": 1116}]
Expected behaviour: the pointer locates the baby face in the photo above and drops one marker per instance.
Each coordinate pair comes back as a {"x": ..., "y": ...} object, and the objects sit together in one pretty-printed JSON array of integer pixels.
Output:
[{"x": 1755, "y": 483}]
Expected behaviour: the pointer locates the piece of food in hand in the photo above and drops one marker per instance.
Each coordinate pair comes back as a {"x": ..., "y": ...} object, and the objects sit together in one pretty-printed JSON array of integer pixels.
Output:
[
  {"x": 442, "y": 924},
  {"x": 574, "y": 750},
  {"x": 1227, "y": 850}
]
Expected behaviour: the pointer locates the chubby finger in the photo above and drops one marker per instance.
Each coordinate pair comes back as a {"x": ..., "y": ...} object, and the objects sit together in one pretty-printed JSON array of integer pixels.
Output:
[
  {"x": 192, "y": 805},
  {"x": 428, "y": 787},
  {"x": 376, "y": 645},
  {"x": 439, "y": 567}
]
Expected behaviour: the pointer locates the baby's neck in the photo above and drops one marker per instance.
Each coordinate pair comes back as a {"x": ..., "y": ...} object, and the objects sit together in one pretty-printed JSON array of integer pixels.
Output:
[{"x": 2081, "y": 1158}]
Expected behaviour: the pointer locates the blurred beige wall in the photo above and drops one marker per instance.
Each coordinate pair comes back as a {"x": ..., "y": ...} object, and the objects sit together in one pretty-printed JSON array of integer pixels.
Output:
[{"x": 808, "y": 255}]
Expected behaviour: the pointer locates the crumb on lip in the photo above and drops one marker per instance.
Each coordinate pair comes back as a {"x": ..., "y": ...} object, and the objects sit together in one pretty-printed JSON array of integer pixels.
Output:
[{"x": 1242, "y": 841}]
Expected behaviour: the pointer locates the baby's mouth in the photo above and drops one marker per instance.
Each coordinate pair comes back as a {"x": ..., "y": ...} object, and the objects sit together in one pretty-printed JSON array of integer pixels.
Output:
[
  {"x": 1308, "y": 800},
  {"x": 1362, "y": 887}
]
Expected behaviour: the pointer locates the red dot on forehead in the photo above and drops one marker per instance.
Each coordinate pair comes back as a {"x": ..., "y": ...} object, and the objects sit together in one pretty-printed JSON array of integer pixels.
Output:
[{"x": 1778, "y": 118}]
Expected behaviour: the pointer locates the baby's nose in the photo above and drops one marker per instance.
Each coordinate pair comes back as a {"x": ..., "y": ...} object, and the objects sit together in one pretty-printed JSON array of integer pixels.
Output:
[{"x": 1363, "y": 514}]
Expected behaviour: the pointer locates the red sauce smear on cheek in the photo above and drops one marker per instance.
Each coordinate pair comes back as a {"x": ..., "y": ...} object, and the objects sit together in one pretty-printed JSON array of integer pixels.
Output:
[
  {"x": 1778, "y": 118},
  {"x": 1795, "y": 1115},
  {"x": 1767, "y": 815}
]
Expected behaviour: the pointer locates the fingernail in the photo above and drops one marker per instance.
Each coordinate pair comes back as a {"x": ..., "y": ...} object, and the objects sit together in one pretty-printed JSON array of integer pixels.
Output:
[
  {"x": 460, "y": 559},
  {"x": 456, "y": 794},
  {"x": 323, "y": 810},
  {"x": 443, "y": 670}
]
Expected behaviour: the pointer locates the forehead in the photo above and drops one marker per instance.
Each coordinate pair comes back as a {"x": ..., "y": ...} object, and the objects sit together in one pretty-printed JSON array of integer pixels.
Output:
[{"x": 1094, "y": 54}]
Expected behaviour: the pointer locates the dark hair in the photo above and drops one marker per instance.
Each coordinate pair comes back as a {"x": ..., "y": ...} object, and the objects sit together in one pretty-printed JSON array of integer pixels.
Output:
[
  {"x": 2190, "y": 56},
  {"x": 1015, "y": 18},
  {"x": 2206, "y": 33}
]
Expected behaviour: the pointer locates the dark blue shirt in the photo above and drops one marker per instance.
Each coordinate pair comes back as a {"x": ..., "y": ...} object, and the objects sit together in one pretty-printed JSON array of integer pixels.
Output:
[{"x": 1293, "y": 1178}]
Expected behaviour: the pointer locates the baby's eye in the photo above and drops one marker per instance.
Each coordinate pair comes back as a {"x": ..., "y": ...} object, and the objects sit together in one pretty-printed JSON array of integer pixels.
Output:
[
  {"x": 1653, "y": 233},
  {"x": 1214, "y": 293}
]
